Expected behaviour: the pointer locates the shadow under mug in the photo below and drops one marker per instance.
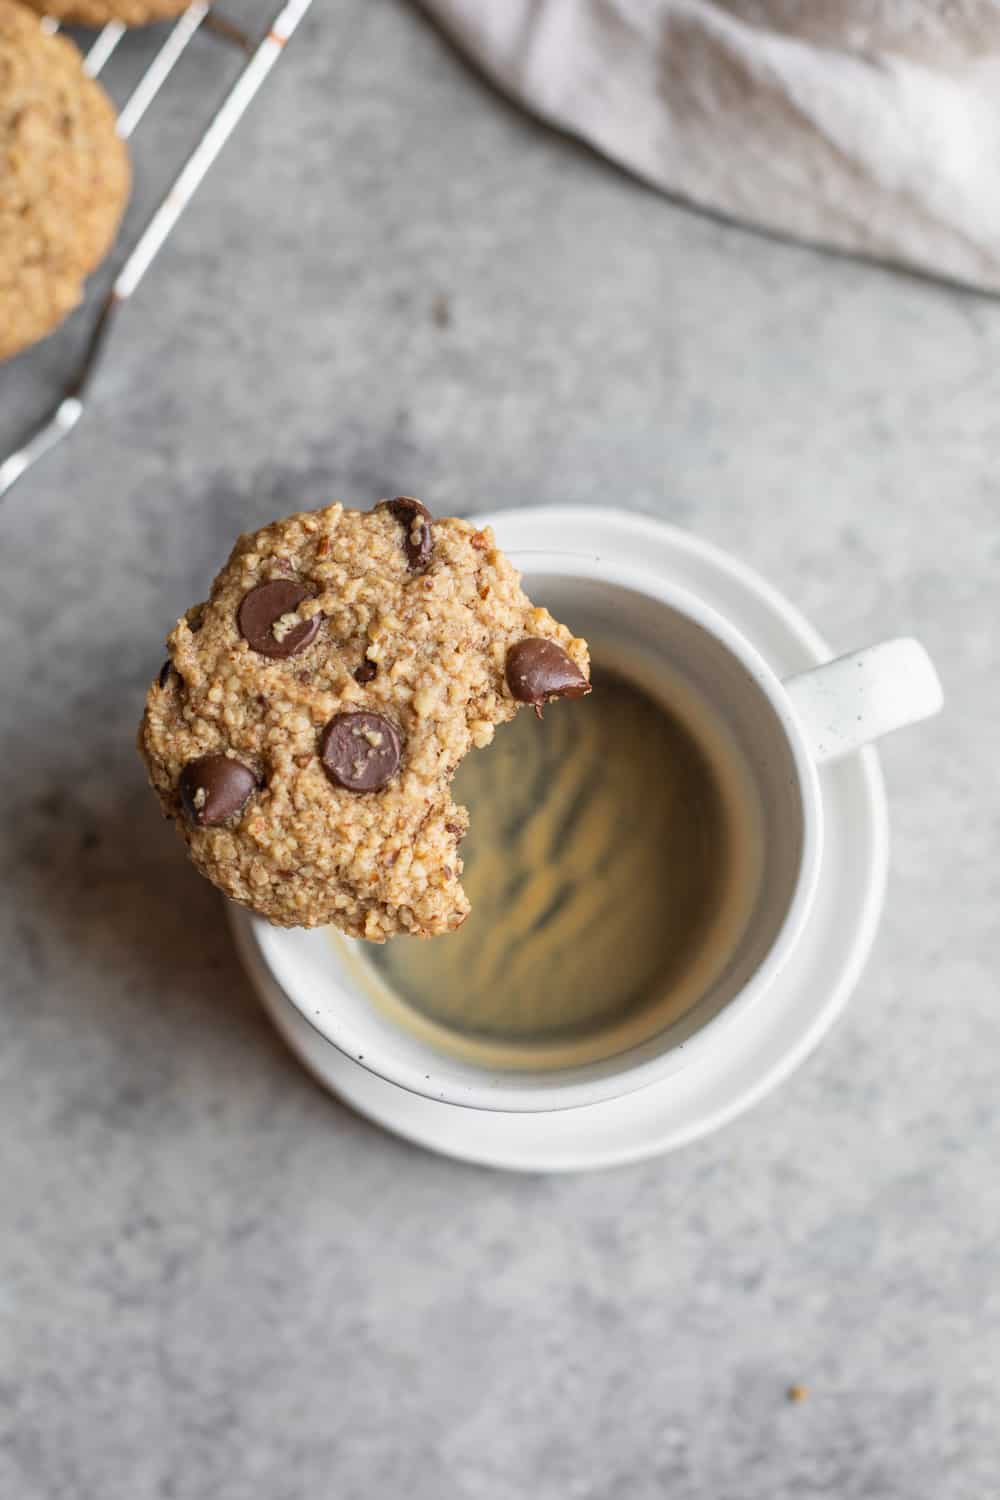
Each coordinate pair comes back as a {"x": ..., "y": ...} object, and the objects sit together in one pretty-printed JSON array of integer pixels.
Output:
[{"x": 784, "y": 731}]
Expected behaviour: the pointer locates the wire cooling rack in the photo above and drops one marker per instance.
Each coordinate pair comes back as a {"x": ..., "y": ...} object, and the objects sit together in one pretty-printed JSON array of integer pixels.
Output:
[{"x": 262, "y": 52}]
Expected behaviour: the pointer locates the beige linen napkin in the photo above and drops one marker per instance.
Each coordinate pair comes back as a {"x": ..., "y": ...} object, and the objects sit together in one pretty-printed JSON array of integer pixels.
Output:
[{"x": 869, "y": 125}]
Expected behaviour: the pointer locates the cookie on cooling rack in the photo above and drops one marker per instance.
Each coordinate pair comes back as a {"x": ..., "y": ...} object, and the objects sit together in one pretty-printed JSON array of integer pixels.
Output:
[
  {"x": 305, "y": 729},
  {"x": 100, "y": 12},
  {"x": 64, "y": 178}
]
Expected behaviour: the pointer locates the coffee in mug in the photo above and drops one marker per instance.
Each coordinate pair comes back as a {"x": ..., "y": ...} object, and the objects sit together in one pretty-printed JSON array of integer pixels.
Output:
[{"x": 613, "y": 864}]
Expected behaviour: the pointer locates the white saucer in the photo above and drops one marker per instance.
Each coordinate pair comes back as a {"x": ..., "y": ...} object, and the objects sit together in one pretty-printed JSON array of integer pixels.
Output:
[{"x": 787, "y": 1023}]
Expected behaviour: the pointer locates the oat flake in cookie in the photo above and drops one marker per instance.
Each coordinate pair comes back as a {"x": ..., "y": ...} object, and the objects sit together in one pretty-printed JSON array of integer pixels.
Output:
[{"x": 343, "y": 664}]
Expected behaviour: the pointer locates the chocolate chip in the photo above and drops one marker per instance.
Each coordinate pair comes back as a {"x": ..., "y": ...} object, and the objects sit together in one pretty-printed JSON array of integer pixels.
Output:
[
  {"x": 366, "y": 672},
  {"x": 164, "y": 672},
  {"x": 418, "y": 539},
  {"x": 213, "y": 788},
  {"x": 261, "y": 612},
  {"x": 360, "y": 751},
  {"x": 538, "y": 670}
]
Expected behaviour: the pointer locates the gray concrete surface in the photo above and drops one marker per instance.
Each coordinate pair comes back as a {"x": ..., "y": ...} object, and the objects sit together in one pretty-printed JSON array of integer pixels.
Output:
[{"x": 215, "y": 1282}]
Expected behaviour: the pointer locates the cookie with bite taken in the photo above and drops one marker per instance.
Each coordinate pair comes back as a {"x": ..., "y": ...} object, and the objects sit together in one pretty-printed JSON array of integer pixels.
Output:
[{"x": 305, "y": 729}]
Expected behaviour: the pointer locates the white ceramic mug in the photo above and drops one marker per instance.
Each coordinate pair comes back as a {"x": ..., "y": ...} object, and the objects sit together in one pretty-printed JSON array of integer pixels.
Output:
[{"x": 785, "y": 730}]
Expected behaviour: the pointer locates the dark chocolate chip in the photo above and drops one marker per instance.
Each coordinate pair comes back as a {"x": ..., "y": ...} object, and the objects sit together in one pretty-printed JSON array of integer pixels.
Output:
[
  {"x": 418, "y": 537},
  {"x": 366, "y": 672},
  {"x": 360, "y": 751},
  {"x": 164, "y": 672},
  {"x": 264, "y": 606},
  {"x": 538, "y": 670},
  {"x": 213, "y": 788}
]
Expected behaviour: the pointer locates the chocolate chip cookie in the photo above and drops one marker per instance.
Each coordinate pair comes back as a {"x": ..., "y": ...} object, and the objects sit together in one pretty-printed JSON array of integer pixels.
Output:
[
  {"x": 304, "y": 731},
  {"x": 64, "y": 178},
  {"x": 100, "y": 12}
]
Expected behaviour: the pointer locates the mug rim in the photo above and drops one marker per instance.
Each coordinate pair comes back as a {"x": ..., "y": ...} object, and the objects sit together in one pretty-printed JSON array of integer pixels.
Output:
[{"x": 605, "y": 1079}]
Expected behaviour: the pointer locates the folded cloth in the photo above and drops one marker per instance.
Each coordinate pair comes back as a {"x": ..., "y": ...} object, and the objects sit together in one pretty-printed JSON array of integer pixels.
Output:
[{"x": 872, "y": 126}]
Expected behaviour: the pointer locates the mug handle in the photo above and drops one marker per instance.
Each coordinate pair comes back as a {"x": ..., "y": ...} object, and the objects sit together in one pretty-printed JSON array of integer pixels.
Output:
[{"x": 859, "y": 697}]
